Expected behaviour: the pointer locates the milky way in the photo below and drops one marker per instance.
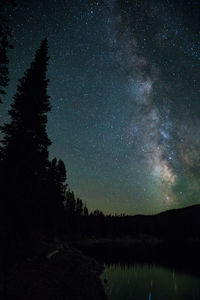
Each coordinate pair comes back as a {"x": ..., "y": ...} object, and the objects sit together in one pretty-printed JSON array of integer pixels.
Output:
[
  {"x": 148, "y": 130},
  {"x": 124, "y": 86},
  {"x": 170, "y": 148}
]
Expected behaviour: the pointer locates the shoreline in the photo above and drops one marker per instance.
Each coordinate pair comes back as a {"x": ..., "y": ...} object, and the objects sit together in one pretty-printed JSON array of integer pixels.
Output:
[{"x": 53, "y": 272}]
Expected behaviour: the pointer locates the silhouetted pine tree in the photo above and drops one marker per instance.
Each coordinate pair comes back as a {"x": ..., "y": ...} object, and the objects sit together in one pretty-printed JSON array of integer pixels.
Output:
[
  {"x": 57, "y": 177},
  {"x": 61, "y": 179},
  {"x": 70, "y": 203},
  {"x": 25, "y": 144},
  {"x": 79, "y": 207},
  {"x": 85, "y": 211},
  {"x": 55, "y": 193}
]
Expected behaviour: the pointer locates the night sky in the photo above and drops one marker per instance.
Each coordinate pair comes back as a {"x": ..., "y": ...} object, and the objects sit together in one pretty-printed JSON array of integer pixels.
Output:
[{"x": 125, "y": 95}]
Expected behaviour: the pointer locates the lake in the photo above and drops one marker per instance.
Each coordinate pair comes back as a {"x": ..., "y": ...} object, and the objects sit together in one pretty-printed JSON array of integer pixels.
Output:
[{"x": 149, "y": 282}]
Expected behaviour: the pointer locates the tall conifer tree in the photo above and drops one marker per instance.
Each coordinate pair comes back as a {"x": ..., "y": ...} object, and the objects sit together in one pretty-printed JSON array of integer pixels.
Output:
[{"x": 25, "y": 142}]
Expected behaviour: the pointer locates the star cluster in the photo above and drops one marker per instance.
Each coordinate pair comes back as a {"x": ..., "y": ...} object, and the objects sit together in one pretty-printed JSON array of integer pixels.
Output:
[{"x": 124, "y": 86}]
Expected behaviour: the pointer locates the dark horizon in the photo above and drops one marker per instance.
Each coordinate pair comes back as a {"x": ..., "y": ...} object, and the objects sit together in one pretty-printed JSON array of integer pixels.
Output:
[{"x": 179, "y": 209}]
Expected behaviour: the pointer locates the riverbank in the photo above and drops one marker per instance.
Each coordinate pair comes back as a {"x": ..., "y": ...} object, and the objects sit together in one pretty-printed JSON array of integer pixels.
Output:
[{"x": 54, "y": 271}]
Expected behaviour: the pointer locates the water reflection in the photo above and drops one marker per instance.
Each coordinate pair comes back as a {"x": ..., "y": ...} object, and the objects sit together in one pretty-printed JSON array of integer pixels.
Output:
[{"x": 149, "y": 282}]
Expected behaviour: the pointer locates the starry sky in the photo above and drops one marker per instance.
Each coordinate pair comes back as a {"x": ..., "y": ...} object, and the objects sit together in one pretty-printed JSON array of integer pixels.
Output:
[{"x": 125, "y": 95}]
